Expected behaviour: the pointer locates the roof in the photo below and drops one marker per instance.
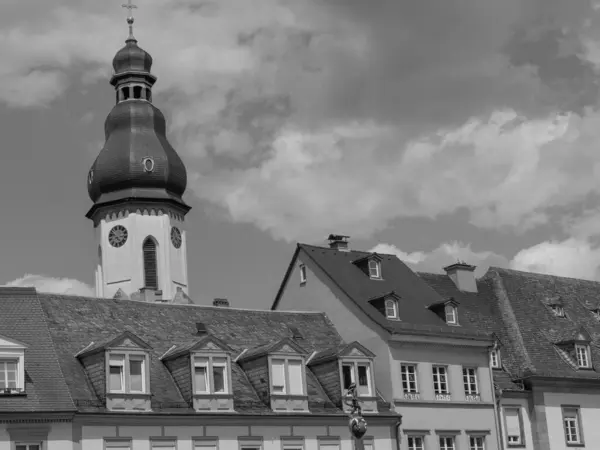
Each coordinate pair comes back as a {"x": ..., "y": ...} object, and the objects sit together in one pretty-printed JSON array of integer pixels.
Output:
[
  {"x": 533, "y": 346},
  {"x": 71, "y": 323},
  {"x": 22, "y": 319},
  {"x": 414, "y": 294}
]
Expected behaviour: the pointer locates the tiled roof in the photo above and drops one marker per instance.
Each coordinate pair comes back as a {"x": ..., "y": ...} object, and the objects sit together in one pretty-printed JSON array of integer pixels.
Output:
[
  {"x": 74, "y": 322},
  {"x": 415, "y": 295},
  {"x": 22, "y": 319},
  {"x": 532, "y": 330}
]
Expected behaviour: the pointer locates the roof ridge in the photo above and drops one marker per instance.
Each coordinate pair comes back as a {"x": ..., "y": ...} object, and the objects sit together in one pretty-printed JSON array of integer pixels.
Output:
[
  {"x": 538, "y": 274},
  {"x": 502, "y": 296},
  {"x": 300, "y": 244},
  {"x": 177, "y": 305}
]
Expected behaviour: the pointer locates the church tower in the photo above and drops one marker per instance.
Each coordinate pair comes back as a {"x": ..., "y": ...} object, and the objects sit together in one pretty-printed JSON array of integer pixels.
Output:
[{"x": 136, "y": 183}]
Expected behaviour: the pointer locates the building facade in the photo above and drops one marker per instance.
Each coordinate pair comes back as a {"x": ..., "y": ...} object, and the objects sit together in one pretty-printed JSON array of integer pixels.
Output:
[{"x": 431, "y": 361}]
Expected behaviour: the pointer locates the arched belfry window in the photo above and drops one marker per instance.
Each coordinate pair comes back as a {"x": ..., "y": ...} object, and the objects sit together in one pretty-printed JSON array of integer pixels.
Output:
[{"x": 150, "y": 263}]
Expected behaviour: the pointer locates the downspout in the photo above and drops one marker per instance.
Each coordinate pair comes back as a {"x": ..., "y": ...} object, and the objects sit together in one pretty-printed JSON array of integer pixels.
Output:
[
  {"x": 496, "y": 400},
  {"x": 398, "y": 435}
]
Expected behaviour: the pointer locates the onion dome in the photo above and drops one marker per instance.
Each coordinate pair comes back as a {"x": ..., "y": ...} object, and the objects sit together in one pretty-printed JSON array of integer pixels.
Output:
[
  {"x": 132, "y": 58},
  {"x": 137, "y": 160}
]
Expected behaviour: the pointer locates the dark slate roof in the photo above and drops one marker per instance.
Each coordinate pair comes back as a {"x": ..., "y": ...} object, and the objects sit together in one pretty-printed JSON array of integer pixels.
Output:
[
  {"x": 74, "y": 322},
  {"x": 415, "y": 295},
  {"x": 22, "y": 319},
  {"x": 532, "y": 330}
]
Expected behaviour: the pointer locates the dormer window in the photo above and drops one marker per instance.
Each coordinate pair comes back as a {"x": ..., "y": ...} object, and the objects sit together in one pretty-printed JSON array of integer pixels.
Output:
[
  {"x": 558, "y": 310},
  {"x": 359, "y": 373},
  {"x": 210, "y": 375},
  {"x": 287, "y": 376},
  {"x": 582, "y": 353},
  {"x": 451, "y": 316},
  {"x": 12, "y": 366},
  {"x": 374, "y": 269},
  {"x": 495, "y": 361},
  {"x": 596, "y": 313},
  {"x": 302, "y": 274},
  {"x": 391, "y": 308},
  {"x": 127, "y": 373}
]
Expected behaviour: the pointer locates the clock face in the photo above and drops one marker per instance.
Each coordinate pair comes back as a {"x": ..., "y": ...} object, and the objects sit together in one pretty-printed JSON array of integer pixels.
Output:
[
  {"x": 176, "y": 237},
  {"x": 117, "y": 236}
]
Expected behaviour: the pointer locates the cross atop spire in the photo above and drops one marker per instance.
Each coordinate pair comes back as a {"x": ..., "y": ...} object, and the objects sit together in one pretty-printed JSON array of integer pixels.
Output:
[{"x": 130, "y": 6}]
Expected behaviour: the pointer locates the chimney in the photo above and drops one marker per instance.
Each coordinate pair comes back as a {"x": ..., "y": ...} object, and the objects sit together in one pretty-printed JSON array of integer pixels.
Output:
[
  {"x": 151, "y": 295},
  {"x": 339, "y": 242},
  {"x": 221, "y": 302},
  {"x": 462, "y": 275}
]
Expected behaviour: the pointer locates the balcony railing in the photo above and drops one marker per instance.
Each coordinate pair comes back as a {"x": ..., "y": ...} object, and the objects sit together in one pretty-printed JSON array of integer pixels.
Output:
[
  {"x": 473, "y": 398},
  {"x": 445, "y": 397},
  {"x": 412, "y": 396}
]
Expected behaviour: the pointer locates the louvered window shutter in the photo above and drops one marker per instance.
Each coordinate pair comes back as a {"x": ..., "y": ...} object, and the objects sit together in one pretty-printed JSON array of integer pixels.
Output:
[{"x": 150, "y": 264}]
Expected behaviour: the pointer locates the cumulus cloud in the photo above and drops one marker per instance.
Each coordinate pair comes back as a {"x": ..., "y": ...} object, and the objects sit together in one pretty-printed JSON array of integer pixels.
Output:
[
  {"x": 304, "y": 117},
  {"x": 54, "y": 285},
  {"x": 444, "y": 255}
]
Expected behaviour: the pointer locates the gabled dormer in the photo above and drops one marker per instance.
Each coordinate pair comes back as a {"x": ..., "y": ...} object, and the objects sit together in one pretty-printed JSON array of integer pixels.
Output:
[
  {"x": 387, "y": 304},
  {"x": 353, "y": 364},
  {"x": 447, "y": 310},
  {"x": 370, "y": 265},
  {"x": 576, "y": 350},
  {"x": 12, "y": 367},
  {"x": 277, "y": 371},
  {"x": 119, "y": 370},
  {"x": 555, "y": 305},
  {"x": 201, "y": 368}
]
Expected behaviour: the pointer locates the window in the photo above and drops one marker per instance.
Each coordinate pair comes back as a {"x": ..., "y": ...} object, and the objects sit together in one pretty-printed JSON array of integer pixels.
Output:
[
  {"x": 374, "y": 269},
  {"x": 352, "y": 371},
  {"x": 451, "y": 314},
  {"x": 28, "y": 446},
  {"x": 513, "y": 425},
  {"x": 476, "y": 442},
  {"x": 205, "y": 444},
  {"x": 125, "y": 92},
  {"x": 572, "y": 424},
  {"x": 446, "y": 442},
  {"x": 596, "y": 313},
  {"x": 391, "y": 309},
  {"x": 409, "y": 378},
  {"x": 495, "y": 358},
  {"x": 137, "y": 92},
  {"x": 302, "y": 274},
  {"x": 368, "y": 444},
  {"x": 329, "y": 444},
  {"x": 127, "y": 373},
  {"x": 415, "y": 442},
  {"x": 582, "y": 352},
  {"x": 164, "y": 444},
  {"x": 210, "y": 375},
  {"x": 440, "y": 380},
  {"x": 8, "y": 374},
  {"x": 558, "y": 310},
  {"x": 150, "y": 264},
  {"x": 470, "y": 380},
  {"x": 292, "y": 443},
  {"x": 287, "y": 376},
  {"x": 117, "y": 444}
]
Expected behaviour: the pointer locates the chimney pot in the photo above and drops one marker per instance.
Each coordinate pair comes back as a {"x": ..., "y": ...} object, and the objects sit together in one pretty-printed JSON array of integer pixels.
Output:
[
  {"x": 462, "y": 275},
  {"x": 339, "y": 242},
  {"x": 221, "y": 302}
]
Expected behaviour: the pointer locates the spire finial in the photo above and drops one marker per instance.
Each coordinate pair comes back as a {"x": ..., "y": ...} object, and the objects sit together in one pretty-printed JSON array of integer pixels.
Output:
[{"x": 130, "y": 6}]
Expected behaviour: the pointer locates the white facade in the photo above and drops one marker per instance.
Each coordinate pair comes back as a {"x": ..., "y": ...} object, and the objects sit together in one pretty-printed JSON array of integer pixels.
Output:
[{"x": 122, "y": 267}]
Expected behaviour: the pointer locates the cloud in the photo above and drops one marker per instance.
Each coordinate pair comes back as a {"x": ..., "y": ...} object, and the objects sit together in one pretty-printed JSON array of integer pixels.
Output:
[
  {"x": 53, "y": 285},
  {"x": 306, "y": 117},
  {"x": 446, "y": 254}
]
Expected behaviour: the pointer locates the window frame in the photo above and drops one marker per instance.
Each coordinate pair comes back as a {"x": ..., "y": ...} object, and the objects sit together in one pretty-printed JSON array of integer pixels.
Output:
[
  {"x": 28, "y": 444},
  {"x": 223, "y": 360},
  {"x": 467, "y": 383},
  {"x": 476, "y": 447},
  {"x": 521, "y": 436},
  {"x": 127, "y": 357},
  {"x": 328, "y": 440},
  {"x": 286, "y": 359},
  {"x": 446, "y": 379},
  {"x": 292, "y": 442},
  {"x": 495, "y": 359},
  {"x": 355, "y": 363},
  {"x": 205, "y": 443},
  {"x": 163, "y": 442},
  {"x": 250, "y": 443},
  {"x": 558, "y": 310},
  {"x": 588, "y": 359},
  {"x": 4, "y": 368},
  {"x": 415, "y": 447},
  {"x": 302, "y": 268},
  {"x": 376, "y": 268},
  {"x": 452, "y": 438},
  {"x": 394, "y": 306},
  {"x": 117, "y": 442},
  {"x": 407, "y": 382},
  {"x": 452, "y": 309},
  {"x": 577, "y": 423}
]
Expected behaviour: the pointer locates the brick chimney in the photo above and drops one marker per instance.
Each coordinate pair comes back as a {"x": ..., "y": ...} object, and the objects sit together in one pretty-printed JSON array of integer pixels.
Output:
[
  {"x": 151, "y": 295},
  {"x": 462, "y": 275},
  {"x": 221, "y": 302},
  {"x": 339, "y": 242}
]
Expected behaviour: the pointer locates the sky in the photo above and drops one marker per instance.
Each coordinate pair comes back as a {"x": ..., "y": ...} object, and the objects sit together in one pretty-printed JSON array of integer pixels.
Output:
[{"x": 436, "y": 131}]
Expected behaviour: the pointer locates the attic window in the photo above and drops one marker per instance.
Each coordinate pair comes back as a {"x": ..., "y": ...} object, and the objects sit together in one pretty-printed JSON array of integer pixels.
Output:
[
  {"x": 558, "y": 310},
  {"x": 495, "y": 359},
  {"x": 287, "y": 376},
  {"x": 451, "y": 315},
  {"x": 374, "y": 269},
  {"x": 211, "y": 375},
  {"x": 302, "y": 274},
  {"x": 582, "y": 353},
  {"x": 391, "y": 309},
  {"x": 127, "y": 373},
  {"x": 359, "y": 373}
]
